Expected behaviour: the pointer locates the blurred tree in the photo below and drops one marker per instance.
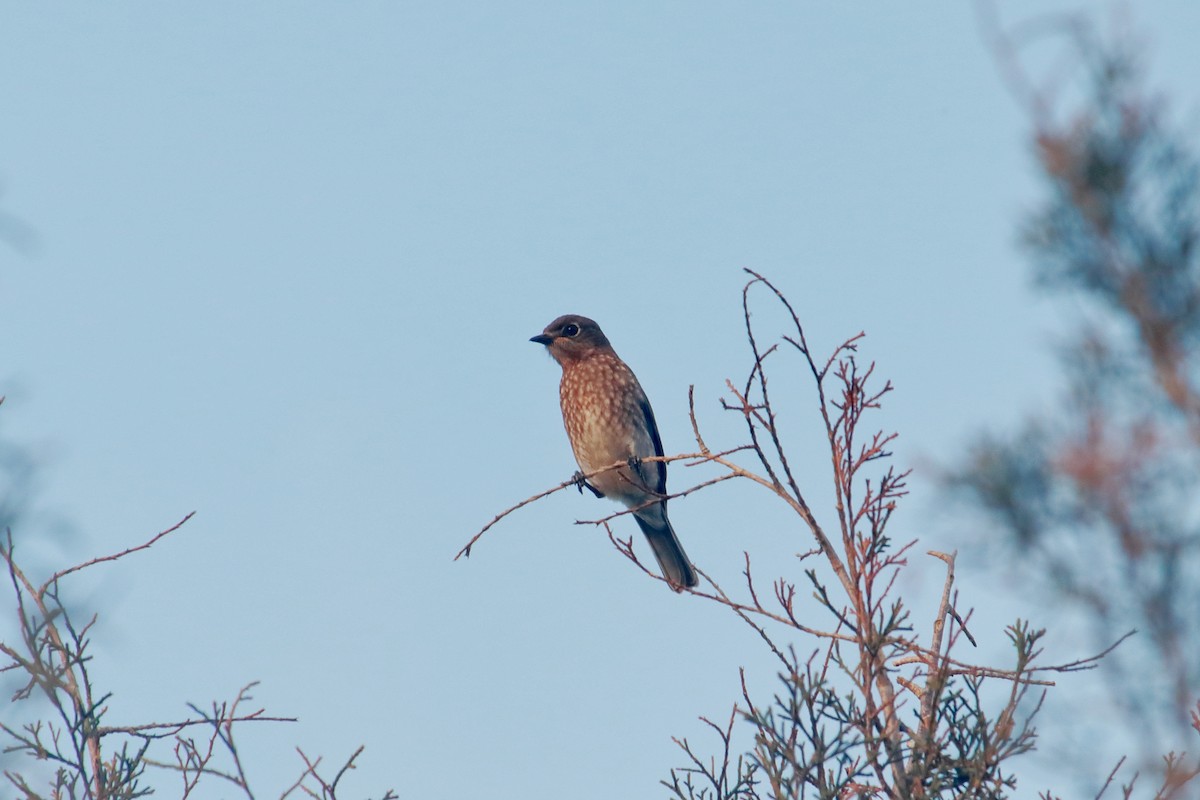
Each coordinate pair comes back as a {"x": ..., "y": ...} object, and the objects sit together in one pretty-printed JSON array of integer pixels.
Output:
[
  {"x": 1099, "y": 498},
  {"x": 16, "y": 481},
  {"x": 16, "y": 233}
]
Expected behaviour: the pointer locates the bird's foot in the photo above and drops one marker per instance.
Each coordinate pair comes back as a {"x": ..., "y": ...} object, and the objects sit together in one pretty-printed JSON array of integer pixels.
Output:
[
  {"x": 581, "y": 484},
  {"x": 637, "y": 468}
]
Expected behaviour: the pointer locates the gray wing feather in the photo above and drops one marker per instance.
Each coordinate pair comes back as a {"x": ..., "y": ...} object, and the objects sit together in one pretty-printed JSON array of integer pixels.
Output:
[{"x": 657, "y": 480}]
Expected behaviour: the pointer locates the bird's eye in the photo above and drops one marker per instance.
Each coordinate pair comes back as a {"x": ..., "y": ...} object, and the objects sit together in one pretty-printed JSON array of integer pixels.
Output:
[{"x": 570, "y": 329}]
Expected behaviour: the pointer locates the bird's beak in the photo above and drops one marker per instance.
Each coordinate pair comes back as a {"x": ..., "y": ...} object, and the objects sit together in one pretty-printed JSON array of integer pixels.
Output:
[{"x": 542, "y": 338}]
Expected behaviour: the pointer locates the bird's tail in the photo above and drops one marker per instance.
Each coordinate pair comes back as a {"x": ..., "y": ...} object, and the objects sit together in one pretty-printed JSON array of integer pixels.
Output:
[{"x": 671, "y": 559}]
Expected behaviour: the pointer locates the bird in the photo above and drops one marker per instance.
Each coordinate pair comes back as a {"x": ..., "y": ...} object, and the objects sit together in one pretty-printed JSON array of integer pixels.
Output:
[{"x": 609, "y": 420}]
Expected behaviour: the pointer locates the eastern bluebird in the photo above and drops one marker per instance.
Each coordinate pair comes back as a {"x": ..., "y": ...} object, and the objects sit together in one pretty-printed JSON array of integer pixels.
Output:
[{"x": 608, "y": 420}]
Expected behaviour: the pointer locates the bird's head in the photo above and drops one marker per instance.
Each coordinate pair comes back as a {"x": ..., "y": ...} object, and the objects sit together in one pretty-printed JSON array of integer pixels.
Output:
[{"x": 571, "y": 338}]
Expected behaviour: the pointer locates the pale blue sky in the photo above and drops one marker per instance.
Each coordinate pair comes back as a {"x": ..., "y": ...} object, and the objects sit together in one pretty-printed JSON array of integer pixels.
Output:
[{"x": 290, "y": 257}]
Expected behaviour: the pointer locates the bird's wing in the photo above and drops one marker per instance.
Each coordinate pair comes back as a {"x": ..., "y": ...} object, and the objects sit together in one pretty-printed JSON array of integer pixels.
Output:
[{"x": 655, "y": 473}]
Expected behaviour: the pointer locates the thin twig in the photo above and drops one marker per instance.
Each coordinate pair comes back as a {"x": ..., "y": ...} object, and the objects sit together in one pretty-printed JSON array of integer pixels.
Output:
[{"x": 113, "y": 557}]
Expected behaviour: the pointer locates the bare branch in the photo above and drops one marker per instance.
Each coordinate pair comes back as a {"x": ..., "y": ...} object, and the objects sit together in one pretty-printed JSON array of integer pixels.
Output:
[{"x": 113, "y": 557}]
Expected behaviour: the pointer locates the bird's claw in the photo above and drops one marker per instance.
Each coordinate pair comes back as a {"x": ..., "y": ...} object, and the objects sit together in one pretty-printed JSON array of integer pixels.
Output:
[
  {"x": 581, "y": 484},
  {"x": 638, "y": 469}
]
